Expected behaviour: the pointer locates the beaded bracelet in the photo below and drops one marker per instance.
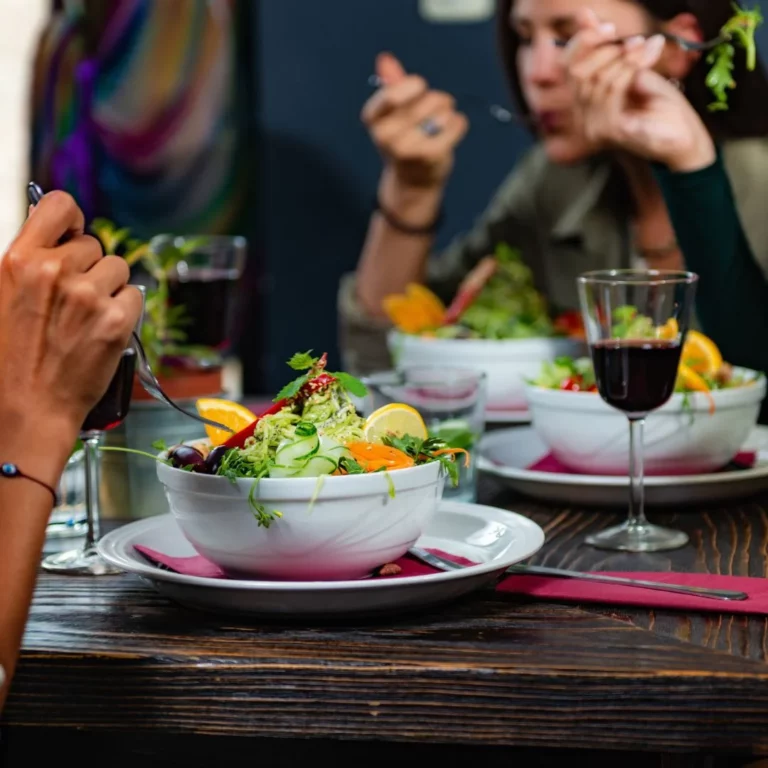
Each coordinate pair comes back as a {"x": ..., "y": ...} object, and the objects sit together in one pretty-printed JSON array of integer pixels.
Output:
[
  {"x": 11, "y": 471},
  {"x": 409, "y": 229}
]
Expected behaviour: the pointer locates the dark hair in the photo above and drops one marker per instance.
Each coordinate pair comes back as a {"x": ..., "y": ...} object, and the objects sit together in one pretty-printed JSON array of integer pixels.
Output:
[{"x": 747, "y": 115}]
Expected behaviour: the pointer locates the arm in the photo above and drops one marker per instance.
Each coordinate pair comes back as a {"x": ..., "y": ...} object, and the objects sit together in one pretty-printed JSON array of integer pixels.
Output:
[
  {"x": 25, "y": 508},
  {"x": 510, "y": 217},
  {"x": 732, "y": 295},
  {"x": 66, "y": 314}
]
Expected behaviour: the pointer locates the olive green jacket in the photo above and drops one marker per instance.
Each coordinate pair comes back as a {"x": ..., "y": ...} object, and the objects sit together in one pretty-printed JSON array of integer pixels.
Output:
[{"x": 566, "y": 220}]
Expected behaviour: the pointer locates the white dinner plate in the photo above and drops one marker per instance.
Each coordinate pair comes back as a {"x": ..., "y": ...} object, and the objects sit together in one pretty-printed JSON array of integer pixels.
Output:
[
  {"x": 493, "y": 538},
  {"x": 506, "y": 454}
]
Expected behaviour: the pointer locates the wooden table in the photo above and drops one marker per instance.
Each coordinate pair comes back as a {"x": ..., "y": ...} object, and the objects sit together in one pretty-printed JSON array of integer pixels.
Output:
[{"x": 110, "y": 666}]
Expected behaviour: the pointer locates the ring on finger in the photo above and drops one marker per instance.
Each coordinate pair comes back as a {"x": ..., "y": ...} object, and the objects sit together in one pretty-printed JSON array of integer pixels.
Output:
[{"x": 430, "y": 127}]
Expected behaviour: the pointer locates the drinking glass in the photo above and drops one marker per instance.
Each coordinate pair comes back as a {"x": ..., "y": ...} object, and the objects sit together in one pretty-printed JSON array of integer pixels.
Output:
[
  {"x": 205, "y": 283},
  {"x": 452, "y": 403},
  {"x": 107, "y": 414},
  {"x": 68, "y": 518},
  {"x": 636, "y": 321}
]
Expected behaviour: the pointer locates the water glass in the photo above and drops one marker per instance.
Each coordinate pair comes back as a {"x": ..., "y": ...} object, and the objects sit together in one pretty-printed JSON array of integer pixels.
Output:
[
  {"x": 452, "y": 403},
  {"x": 204, "y": 280},
  {"x": 68, "y": 518}
]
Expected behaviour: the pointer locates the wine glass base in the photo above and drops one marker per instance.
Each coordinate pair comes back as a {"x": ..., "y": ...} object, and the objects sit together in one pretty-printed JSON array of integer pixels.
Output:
[
  {"x": 638, "y": 538},
  {"x": 79, "y": 562}
]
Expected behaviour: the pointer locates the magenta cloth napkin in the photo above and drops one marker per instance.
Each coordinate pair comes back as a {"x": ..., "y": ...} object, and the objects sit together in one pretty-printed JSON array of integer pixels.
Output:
[
  {"x": 556, "y": 589},
  {"x": 548, "y": 463}
]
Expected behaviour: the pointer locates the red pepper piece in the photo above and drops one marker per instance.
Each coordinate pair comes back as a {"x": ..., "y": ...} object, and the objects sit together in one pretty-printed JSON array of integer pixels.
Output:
[
  {"x": 470, "y": 289},
  {"x": 572, "y": 384},
  {"x": 312, "y": 386},
  {"x": 238, "y": 440},
  {"x": 315, "y": 385}
]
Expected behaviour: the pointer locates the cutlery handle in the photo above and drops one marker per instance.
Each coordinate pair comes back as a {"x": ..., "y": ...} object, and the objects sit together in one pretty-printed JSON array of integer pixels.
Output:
[{"x": 716, "y": 594}]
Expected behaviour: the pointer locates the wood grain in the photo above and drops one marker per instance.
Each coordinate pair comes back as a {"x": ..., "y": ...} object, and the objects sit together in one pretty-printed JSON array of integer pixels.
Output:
[{"x": 110, "y": 656}]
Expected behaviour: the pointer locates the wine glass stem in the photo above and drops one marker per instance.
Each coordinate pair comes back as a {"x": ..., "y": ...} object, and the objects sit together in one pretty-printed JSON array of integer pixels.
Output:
[
  {"x": 636, "y": 491},
  {"x": 91, "y": 442}
]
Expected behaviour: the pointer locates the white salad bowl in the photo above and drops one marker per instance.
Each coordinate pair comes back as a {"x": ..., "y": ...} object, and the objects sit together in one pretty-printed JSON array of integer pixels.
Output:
[
  {"x": 681, "y": 438},
  {"x": 341, "y": 528},
  {"x": 508, "y": 364}
]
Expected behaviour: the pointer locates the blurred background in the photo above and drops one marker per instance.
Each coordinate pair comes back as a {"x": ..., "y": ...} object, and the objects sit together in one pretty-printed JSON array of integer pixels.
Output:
[{"x": 241, "y": 117}]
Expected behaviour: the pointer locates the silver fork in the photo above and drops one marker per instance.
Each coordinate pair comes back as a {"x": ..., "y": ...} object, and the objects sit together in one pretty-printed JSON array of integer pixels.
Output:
[
  {"x": 535, "y": 570},
  {"x": 152, "y": 386},
  {"x": 681, "y": 42}
]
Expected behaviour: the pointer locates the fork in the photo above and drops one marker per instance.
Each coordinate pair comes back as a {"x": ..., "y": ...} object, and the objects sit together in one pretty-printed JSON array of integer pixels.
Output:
[
  {"x": 152, "y": 386},
  {"x": 496, "y": 111},
  {"x": 681, "y": 42},
  {"x": 535, "y": 570}
]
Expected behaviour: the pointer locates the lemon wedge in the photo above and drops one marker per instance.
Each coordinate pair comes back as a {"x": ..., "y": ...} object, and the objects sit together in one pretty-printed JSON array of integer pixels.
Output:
[{"x": 395, "y": 419}]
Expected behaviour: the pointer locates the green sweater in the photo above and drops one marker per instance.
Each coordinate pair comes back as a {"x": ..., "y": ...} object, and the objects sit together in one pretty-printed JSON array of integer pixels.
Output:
[{"x": 732, "y": 294}]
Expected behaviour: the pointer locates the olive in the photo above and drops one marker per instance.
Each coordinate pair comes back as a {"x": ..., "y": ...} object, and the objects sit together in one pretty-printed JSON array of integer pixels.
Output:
[
  {"x": 215, "y": 457},
  {"x": 185, "y": 456}
]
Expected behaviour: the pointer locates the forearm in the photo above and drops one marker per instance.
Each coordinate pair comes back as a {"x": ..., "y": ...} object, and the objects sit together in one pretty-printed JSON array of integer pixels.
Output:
[
  {"x": 25, "y": 508},
  {"x": 732, "y": 295},
  {"x": 391, "y": 258}
]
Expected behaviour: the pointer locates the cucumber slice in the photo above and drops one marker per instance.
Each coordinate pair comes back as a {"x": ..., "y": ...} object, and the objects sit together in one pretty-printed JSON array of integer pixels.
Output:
[
  {"x": 297, "y": 451},
  {"x": 329, "y": 447},
  {"x": 318, "y": 465}
]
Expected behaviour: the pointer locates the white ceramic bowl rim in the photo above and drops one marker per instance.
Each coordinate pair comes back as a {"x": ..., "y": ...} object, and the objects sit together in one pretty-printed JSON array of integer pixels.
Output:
[
  {"x": 698, "y": 401},
  {"x": 300, "y": 487},
  {"x": 417, "y": 340}
]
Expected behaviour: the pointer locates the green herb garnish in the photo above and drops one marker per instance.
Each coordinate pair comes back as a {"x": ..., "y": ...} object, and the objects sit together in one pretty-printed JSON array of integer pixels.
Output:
[
  {"x": 739, "y": 30},
  {"x": 423, "y": 451},
  {"x": 315, "y": 366}
]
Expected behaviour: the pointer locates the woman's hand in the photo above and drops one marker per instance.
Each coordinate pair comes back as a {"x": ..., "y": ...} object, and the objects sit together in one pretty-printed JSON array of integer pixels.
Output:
[
  {"x": 415, "y": 129},
  {"x": 66, "y": 315},
  {"x": 623, "y": 104}
]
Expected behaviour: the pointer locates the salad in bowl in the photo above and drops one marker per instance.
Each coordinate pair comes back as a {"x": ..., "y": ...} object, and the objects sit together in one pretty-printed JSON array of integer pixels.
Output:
[
  {"x": 700, "y": 429},
  {"x": 308, "y": 490},
  {"x": 497, "y": 323}
]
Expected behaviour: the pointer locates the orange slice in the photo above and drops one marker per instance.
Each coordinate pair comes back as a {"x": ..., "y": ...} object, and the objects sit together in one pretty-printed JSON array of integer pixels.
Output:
[
  {"x": 397, "y": 419},
  {"x": 226, "y": 412},
  {"x": 701, "y": 354},
  {"x": 428, "y": 301},
  {"x": 669, "y": 330},
  {"x": 407, "y": 315},
  {"x": 695, "y": 382}
]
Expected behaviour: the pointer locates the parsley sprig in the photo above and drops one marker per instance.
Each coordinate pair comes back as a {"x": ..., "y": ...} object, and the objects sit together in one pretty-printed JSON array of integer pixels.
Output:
[
  {"x": 315, "y": 366},
  {"x": 423, "y": 451},
  {"x": 739, "y": 30}
]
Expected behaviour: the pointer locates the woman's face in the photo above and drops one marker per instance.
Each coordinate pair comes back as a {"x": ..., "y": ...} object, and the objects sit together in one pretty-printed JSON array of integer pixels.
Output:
[{"x": 543, "y": 27}]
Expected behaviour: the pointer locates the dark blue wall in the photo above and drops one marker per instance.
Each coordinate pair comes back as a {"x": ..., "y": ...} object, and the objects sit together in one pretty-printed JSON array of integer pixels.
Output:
[{"x": 319, "y": 170}]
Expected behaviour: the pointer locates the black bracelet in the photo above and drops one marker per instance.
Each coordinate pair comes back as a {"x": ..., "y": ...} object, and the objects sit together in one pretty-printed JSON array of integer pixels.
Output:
[
  {"x": 12, "y": 471},
  {"x": 409, "y": 229}
]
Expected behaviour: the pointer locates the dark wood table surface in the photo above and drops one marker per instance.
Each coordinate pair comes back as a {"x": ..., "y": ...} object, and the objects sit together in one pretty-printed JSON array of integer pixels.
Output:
[{"x": 110, "y": 666}]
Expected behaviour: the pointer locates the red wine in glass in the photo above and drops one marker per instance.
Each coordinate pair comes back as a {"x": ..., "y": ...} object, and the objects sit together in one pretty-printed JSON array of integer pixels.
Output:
[
  {"x": 113, "y": 407},
  {"x": 635, "y": 322},
  {"x": 636, "y": 376},
  {"x": 208, "y": 296}
]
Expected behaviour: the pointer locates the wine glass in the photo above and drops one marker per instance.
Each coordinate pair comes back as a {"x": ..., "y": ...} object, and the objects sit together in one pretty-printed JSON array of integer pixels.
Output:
[
  {"x": 107, "y": 414},
  {"x": 636, "y": 321}
]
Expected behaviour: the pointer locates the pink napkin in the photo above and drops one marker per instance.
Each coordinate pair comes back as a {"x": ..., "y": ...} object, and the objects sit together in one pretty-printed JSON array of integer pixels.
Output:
[
  {"x": 548, "y": 463},
  {"x": 556, "y": 589}
]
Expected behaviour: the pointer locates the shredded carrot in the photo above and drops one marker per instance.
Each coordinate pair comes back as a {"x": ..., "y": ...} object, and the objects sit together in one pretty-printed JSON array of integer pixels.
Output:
[
  {"x": 453, "y": 452},
  {"x": 374, "y": 456}
]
